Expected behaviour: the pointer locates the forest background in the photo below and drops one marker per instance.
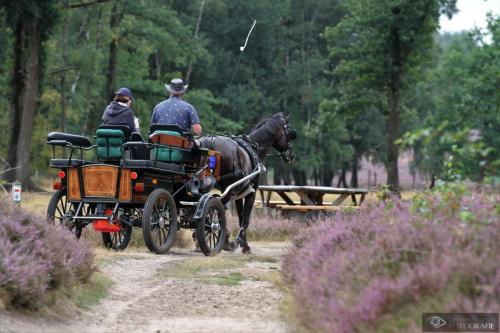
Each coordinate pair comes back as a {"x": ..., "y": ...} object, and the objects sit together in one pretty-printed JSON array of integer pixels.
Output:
[{"x": 362, "y": 79}]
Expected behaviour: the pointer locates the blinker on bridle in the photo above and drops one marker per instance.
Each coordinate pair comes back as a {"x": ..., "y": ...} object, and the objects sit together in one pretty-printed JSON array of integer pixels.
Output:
[{"x": 287, "y": 155}]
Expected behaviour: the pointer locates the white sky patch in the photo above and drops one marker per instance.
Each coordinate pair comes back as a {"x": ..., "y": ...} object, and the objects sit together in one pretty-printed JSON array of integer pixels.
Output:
[{"x": 471, "y": 14}]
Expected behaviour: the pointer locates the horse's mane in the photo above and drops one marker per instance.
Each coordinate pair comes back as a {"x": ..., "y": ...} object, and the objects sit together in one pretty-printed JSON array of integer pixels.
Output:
[{"x": 264, "y": 120}]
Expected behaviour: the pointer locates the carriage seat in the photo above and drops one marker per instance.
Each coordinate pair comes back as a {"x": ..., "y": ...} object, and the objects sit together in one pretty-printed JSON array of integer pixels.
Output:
[
  {"x": 61, "y": 139},
  {"x": 179, "y": 144},
  {"x": 110, "y": 139}
]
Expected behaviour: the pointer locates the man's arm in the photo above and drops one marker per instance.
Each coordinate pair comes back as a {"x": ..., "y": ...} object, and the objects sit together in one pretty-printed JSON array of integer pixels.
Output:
[
  {"x": 196, "y": 128},
  {"x": 195, "y": 121},
  {"x": 153, "y": 120}
]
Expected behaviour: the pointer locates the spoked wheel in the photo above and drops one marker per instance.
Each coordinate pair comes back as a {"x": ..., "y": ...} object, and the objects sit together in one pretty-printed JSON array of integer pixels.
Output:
[
  {"x": 118, "y": 241},
  {"x": 211, "y": 228},
  {"x": 159, "y": 221},
  {"x": 60, "y": 211}
]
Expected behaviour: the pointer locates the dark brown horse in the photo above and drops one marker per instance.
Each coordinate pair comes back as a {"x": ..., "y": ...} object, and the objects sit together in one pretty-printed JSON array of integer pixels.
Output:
[{"x": 242, "y": 155}]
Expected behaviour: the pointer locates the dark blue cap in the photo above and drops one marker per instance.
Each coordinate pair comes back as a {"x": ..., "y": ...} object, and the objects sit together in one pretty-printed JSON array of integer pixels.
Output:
[{"x": 124, "y": 91}]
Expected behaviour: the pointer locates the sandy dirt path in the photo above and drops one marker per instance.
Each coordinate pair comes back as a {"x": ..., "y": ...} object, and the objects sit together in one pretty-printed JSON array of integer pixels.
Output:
[{"x": 179, "y": 292}]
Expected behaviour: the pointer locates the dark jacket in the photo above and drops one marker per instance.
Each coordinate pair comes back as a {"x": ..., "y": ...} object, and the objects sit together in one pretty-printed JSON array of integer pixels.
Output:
[{"x": 118, "y": 114}]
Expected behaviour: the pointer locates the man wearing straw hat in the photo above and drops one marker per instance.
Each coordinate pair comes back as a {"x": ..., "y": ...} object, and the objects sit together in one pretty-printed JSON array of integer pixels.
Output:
[{"x": 174, "y": 110}]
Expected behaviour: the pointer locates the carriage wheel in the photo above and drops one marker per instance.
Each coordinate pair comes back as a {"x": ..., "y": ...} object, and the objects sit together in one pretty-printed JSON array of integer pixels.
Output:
[
  {"x": 58, "y": 208},
  {"x": 159, "y": 221},
  {"x": 117, "y": 241},
  {"x": 211, "y": 228}
]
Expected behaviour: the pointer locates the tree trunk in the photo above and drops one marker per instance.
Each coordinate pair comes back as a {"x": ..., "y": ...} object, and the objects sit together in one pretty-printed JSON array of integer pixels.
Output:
[
  {"x": 87, "y": 123},
  {"x": 298, "y": 177},
  {"x": 276, "y": 174},
  {"x": 393, "y": 122},
  {"x": 113, "y": 54},
  {"x": 30, "y": 99},
  {"x": 354, "y": 172},
  {"x": 16, "y": 106},
  {"x": 342, "y": 178},
  {"x": 285, "y": 175},
  {"x": 196, "y": 30},
  {"x": 64, "y": 125},
  {"x": 327, "y": 178}
]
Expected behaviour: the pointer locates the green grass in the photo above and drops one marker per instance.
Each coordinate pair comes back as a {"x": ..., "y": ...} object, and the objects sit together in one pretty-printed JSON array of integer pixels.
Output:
[
  {"x": 93, "y": 291},
  {"x": 231, "y": 279},
  {"x": 201, "y": 269},
  {"x": 35, "y": 202}
]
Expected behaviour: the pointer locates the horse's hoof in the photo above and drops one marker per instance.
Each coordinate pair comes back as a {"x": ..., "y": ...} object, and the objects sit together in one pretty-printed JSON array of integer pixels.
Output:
[
  {"x": 230, "y": 246},
  {"x": 246, "y": 250}
]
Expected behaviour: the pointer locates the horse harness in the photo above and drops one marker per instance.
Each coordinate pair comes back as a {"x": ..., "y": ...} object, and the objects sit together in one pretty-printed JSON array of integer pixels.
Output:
[{"x": 250, "y": 147}]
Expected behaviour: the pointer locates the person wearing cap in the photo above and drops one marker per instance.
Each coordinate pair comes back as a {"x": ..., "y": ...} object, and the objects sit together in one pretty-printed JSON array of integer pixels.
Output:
[
  {"x": 174, "y": 110},
  {"x": 118, "y": 112}
]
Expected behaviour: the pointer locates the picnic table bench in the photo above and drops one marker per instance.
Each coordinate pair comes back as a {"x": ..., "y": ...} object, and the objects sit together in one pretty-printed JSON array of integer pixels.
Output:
[{"x": 311, "y": 197}]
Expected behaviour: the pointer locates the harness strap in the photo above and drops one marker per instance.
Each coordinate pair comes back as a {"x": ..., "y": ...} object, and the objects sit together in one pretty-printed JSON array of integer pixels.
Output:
[{"x": 250, "y": 147}]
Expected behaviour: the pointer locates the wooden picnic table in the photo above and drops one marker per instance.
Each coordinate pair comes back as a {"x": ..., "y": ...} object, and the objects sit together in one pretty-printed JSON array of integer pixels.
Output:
[{"x": 311, "y": 197}]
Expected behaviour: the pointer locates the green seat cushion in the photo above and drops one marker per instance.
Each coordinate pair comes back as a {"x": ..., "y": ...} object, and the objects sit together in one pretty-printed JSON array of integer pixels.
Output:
[
  {"x": 166, "y": 154},
  {"x": 109, "y": 142},
  {"x": 110, "y": 133},
  {"x": 107, "y": 153}
]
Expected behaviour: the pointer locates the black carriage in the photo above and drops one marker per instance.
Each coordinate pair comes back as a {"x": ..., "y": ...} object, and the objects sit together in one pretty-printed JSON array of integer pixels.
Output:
[{"x": 160, "y": 186}]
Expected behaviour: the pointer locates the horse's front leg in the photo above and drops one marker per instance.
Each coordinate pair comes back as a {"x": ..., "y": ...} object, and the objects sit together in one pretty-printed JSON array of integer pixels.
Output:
[
  {"x": 228, "y": 244},
  {"x": 247, "y": 211}
]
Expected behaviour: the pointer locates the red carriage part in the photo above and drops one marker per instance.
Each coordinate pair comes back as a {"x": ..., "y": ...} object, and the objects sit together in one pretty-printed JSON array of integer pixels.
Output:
[
  {"x": 61, "y": 174},
  {"x": 57, "y": 186},
  {"x": 105, "y": 226}
]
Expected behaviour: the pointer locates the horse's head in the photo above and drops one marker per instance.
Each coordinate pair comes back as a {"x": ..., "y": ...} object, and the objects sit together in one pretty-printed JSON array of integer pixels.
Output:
[
  {"x": 284, "y": 137},
  {"x": 275, "y": 131}
]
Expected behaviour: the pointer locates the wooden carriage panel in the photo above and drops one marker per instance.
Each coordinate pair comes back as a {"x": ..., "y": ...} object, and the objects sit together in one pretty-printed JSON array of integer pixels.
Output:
[
  {"x": 100, "y": 180},
  {"x": 73, "y": 185},
  {"x": 125, "y": 186}
]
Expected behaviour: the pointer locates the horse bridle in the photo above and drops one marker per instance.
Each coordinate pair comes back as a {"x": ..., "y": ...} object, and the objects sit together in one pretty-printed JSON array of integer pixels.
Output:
[{"x": 287, "y": 155}]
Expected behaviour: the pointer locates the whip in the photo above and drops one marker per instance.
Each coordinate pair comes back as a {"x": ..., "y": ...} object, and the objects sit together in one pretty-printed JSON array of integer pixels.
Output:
[{"x": 242, "y": 48}]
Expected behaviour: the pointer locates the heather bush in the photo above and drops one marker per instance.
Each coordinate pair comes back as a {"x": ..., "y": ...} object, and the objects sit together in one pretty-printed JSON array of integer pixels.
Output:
[
  {"x": 380, "y": 269},
  {"x": 37, "y": 258}
]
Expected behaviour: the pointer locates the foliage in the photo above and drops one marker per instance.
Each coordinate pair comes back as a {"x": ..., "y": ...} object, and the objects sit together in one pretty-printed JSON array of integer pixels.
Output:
[
  {"x": 372, "y": 50},
  {"x": 459, "y": 109},
  {"x": 37, "y": 258},
  {"x": 353, "y": 273},
  {"x": 327, "y": 62}
]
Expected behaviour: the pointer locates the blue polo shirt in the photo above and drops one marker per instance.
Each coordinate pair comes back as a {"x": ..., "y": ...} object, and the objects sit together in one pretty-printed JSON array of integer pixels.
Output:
[{"x": 175, "y": 111}]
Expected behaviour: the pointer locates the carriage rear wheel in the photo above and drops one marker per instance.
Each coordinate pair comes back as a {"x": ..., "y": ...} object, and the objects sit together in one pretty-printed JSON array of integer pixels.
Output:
[
  {"x": 60, "y": 212},
  {"x": 159, "y": 221},
  {"x": 117, "y": 241},
  {"x": 211, "y": 228}
]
